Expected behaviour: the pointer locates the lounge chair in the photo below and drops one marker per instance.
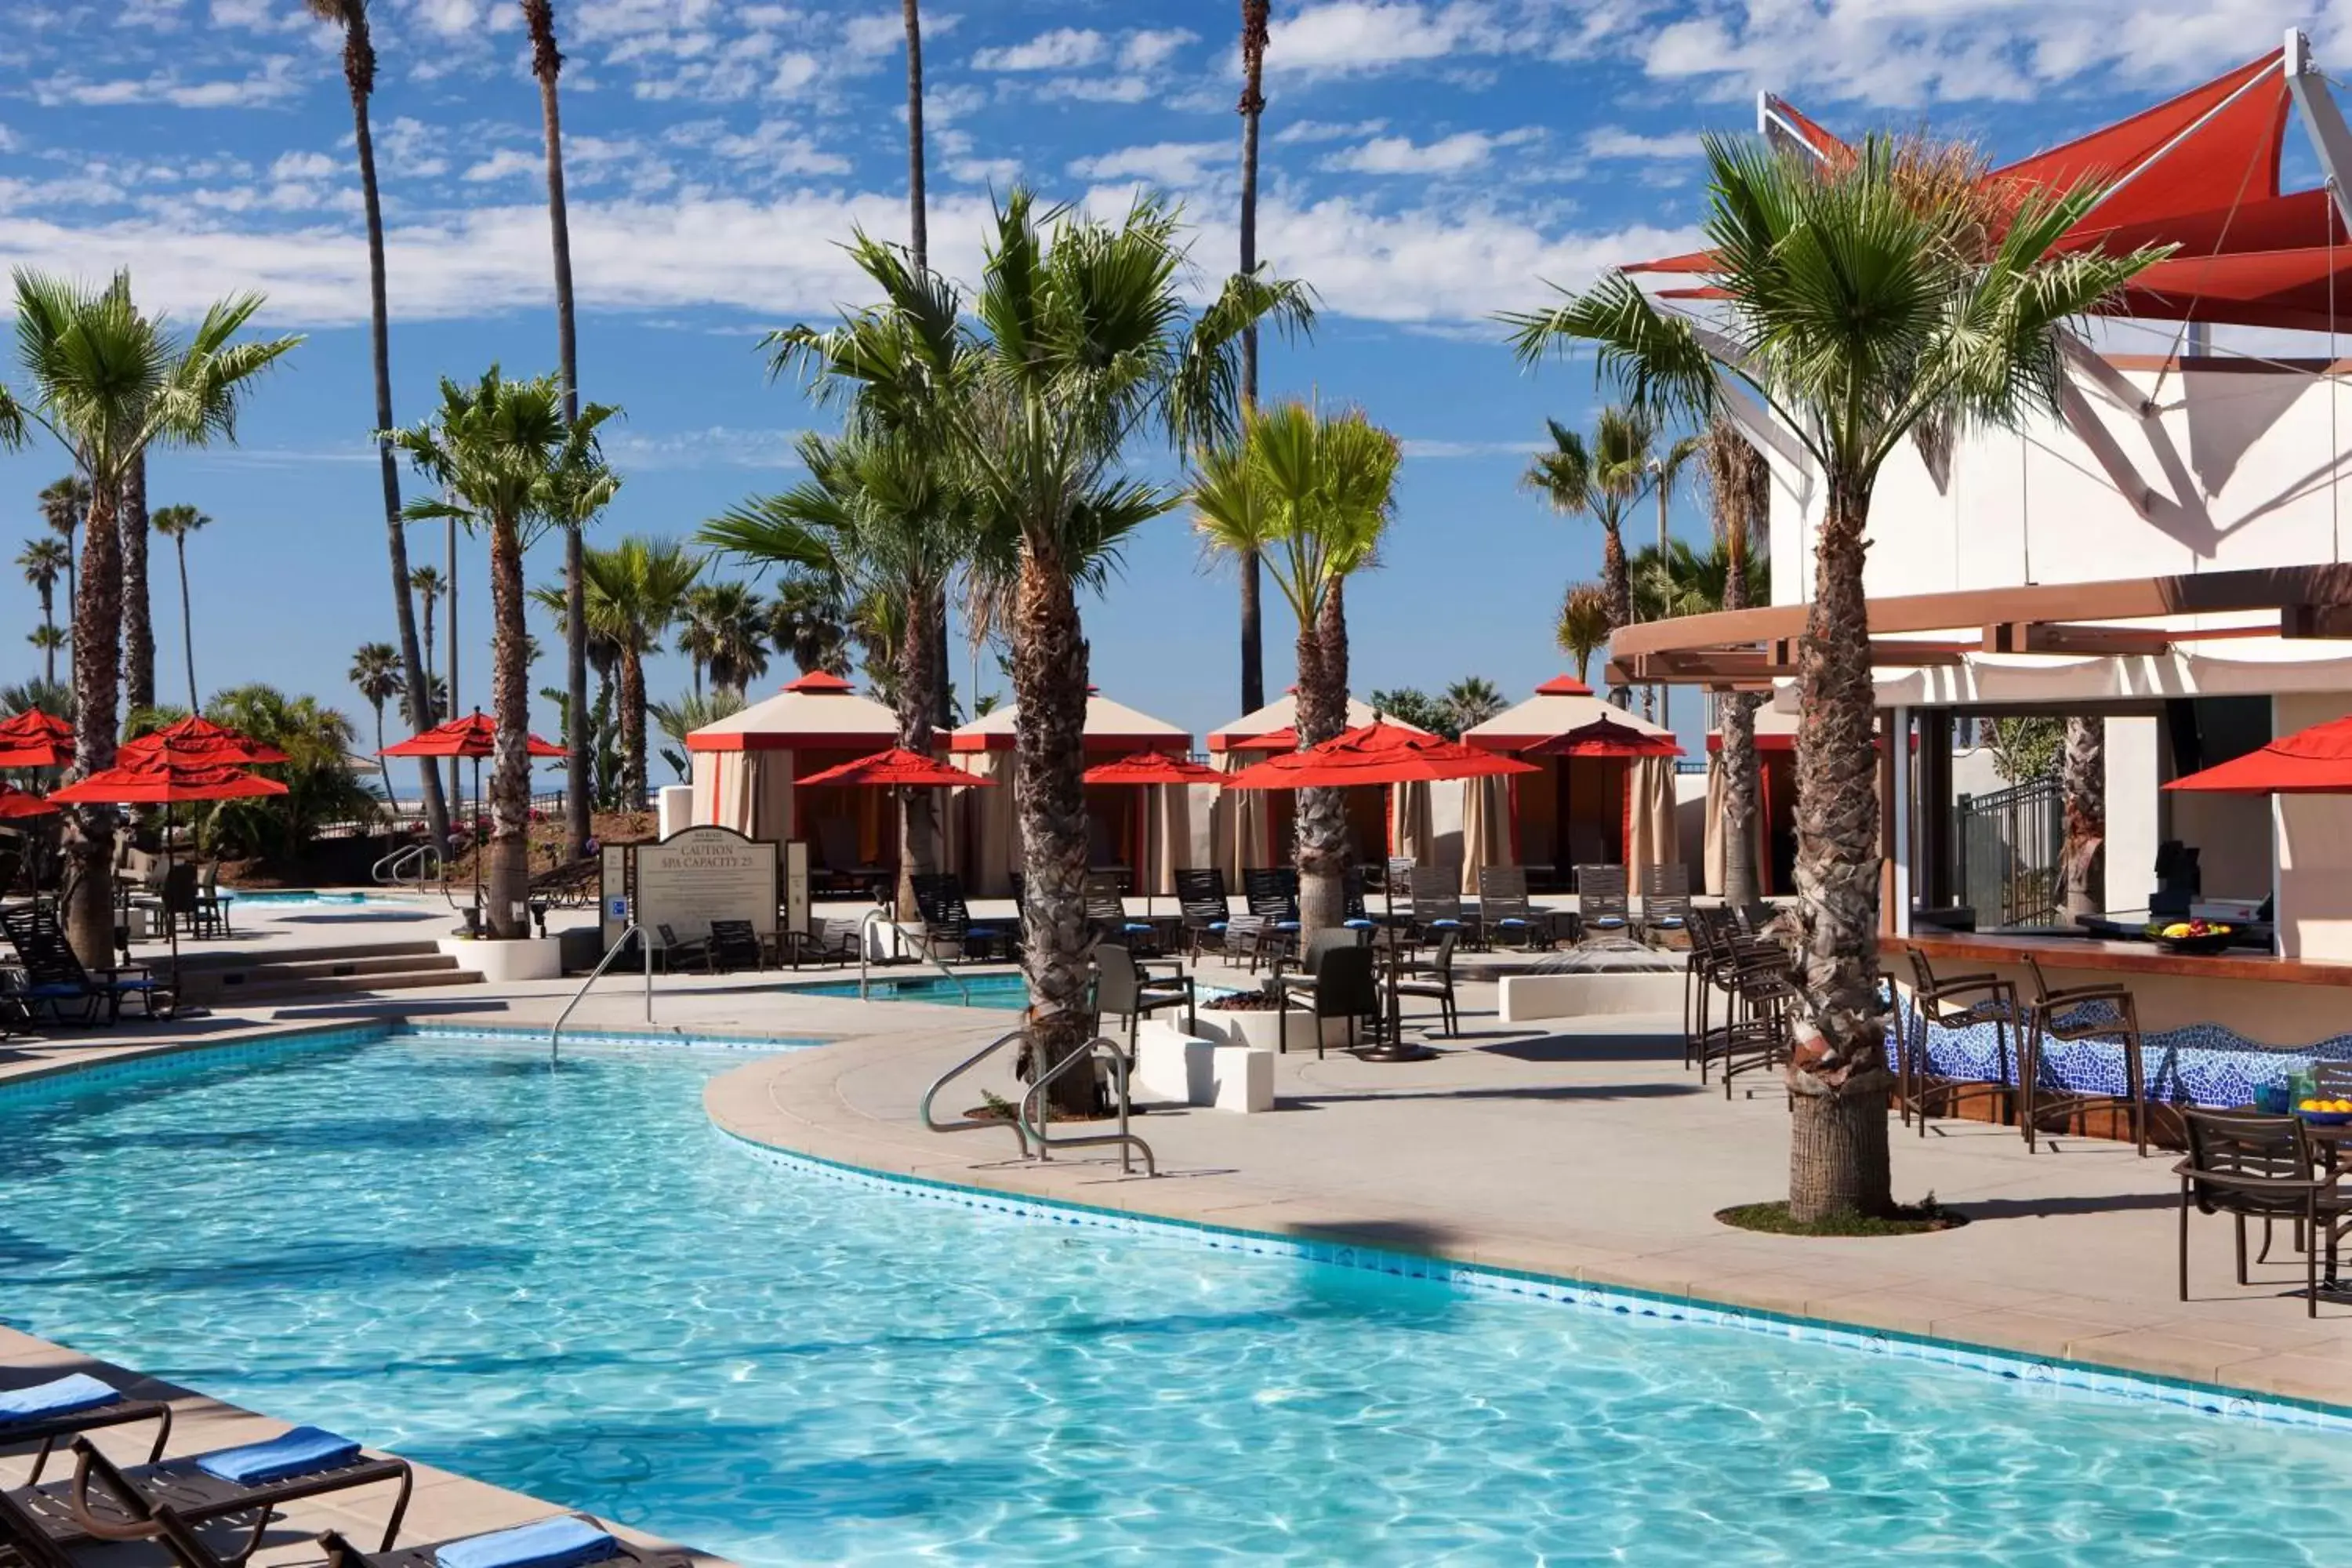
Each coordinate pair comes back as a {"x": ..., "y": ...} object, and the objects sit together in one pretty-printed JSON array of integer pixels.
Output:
[
  {"x": 1271, "y": 894},
  {"x": 1206, "y": 911},
  {"x": 836, "y": 840},
  {"x": 573, "y": 885},
  {"x": 824, "y": 942},
  {"x": 53, "y": 978},
  {"x": 1665, "y": 900},
  {"x": 1437, "y": 905},
  {"x": 1346, "y": 986},
  {"x": 66, "y": 1406},
  {"x": 1122, "y": 990},
  {"x": 938, "y": 899},
  {"x": 1107, "y": 914},
  {"x": 543, "y": 1544},
  {"x": 1439, "y": 985},
  {"x": 1503, "y": 909},
  {"x": 105, "y": 1502},
  {"x": 1603, "y": 909}
]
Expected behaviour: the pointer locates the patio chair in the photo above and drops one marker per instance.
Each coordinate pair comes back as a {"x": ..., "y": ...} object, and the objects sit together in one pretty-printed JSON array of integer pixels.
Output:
[
  {"x": 180, "y": 896},
  {"x": 1438, "y": 987},
  {"x": 1504, "y": 909},
  {"x": 1436, "y": 906},
  {"x": 55, "y": 977},
  {"x": 1346, "y": 986},
  {"x": 1271, "y": 894},
  {"x": 1123, "y": 990},
  {"x": 1205, "y": 909},
  {"x": 1258, "y": 939},
  {"x": 64, "y": 1407},
  {"x": 2265, "y": 1168},
  {"x": 565, "y": 1541},
  {"x": 836, "y": 841},
  {"x": 1704, "y": 976},
  {"x": 1603, "y": 909},
  {"x": 938, "y": 899},
  {"x": 105, "y": 1502},
  {"x": 824, "y": 942},
  {"x": 1107, "y": 914},
  {"x": 1320, "y": 945},
  {"x": 1954, "y": 1002},
  {"x": 1395, "y": 879},
  {"x": 1352, "y": 913},
  {"x": 2101, "y": 1012},
  {"x": 1665, "y": 900},
  {"x": 212, "y": 909},
  {"x": 1755, "y": 1031}
]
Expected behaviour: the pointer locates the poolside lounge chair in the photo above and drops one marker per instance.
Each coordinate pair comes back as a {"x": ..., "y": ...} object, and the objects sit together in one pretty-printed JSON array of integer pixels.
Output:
[
  {"x": 1665, "y": 900},
  {"x": 569, "y": 886},
  {"x": 1107, "y": 914},
  {"x": 1271, "y": 894},
  {"x": 2265, "y": 1168},
  {"x": 1200, "y": 900},
  {"x": 1437, "y": 905},
  {"x": 55, "y": 978},
  {"x": 1505, "y": 910},
  {"x": 1346, "y": 986},
  {"x": 105, "y": 1502},
  {"x": 64, "y": 1407},
  {"x": 1122, "y": 990},
  {"x": 542, "y": 1544},
  {"x": 939, "y": 898},
  {"x": 824, "y": 942},
  {"x": 1603, "y": 909},
  {"x": 703, "y": 952},
  {"x": 836, "y": 840}
]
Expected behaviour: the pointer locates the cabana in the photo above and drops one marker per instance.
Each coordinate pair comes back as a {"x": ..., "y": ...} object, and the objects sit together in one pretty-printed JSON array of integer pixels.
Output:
[
  {"x": 1115, "y": 813},
  {"x": 1580, "y": 810},
  {"x": 746, "y": 766},
  {"x": 1775, "y": 822},
  {"x": 1253, "y": 827}
]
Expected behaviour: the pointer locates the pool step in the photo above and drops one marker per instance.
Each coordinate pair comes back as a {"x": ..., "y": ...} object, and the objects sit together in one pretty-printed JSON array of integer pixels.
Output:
[{"x": 227, "y": 979}]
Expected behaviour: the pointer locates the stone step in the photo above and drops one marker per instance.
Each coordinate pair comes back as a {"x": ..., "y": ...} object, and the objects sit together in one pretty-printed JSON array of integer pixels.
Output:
[
  {"x": 255, "y": 958},
  {"x": 276, "y": 992}
]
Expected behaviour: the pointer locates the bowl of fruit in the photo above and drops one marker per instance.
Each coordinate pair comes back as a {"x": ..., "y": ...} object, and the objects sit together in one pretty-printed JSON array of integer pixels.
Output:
[
  {"x": 2190, "y": 936},
  {"x": 2325, "y": 1112}
]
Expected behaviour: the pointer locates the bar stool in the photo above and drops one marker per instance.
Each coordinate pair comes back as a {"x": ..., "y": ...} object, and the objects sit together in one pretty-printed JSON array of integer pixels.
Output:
[
  {"x": 2060, "y": 1015},
  {"x": 1946, "y": 1003}
]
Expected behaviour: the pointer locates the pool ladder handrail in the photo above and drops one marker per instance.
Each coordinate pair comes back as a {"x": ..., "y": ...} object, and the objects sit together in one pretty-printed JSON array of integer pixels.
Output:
[
  {"x": 1035, "y": 1131},
  {"x": 387, "y": 871},
  {"x": 969, "y": 1124},
  {"x": 555, "y": 1034},
  {"x": 922, "y": 950}
]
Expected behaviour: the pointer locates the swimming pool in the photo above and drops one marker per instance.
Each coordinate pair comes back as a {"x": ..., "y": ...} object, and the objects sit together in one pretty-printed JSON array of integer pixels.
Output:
[
  {"x": 1009, "y": 993},
  {"x": 282, "y": 898},
  {"x": 569, "y": 1283}
]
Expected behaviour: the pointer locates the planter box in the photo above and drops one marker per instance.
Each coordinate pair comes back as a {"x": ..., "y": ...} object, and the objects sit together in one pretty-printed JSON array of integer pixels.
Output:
[
  {"x": 526, "y": 958},
  {"x": 1263, "y": 1031},
  {"x": 1172, "y": 1065},
  {"x": 1528, "y": 998}
]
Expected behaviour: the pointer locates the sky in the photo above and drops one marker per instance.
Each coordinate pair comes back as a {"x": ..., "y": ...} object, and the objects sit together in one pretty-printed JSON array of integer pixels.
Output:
[{"x": 1425, "y": 163}]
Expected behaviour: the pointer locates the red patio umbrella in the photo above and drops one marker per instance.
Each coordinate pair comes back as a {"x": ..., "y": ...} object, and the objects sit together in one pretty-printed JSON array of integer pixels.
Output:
[
  {"x": 34, "y": 740},
  {"x": 897, "y": 768},
  {"x": 198, "y": 739},
  {"x": 1606, "y": 737},
  {"x": 475, "y": 736},
  {"x": 2317, "y": 760},
  {"x": 1149, "y": 770},
  {"x": 1376, "y": 754},
  {"x": 17, "y": 803}
]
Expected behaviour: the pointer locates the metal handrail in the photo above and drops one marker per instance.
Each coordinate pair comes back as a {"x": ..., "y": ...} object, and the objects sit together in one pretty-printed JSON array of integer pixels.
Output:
[
  {"x": 387, "y": 871},
  {"x": 969, "y": 1124},
  {"x": 555, "y": 1034},
  {"x": 1126, "y": 1139},
  {"x": 922, "y": 949}
]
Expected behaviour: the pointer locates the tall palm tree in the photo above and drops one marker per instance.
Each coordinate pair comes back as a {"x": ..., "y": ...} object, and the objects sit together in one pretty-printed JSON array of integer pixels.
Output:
[
  {"x": 428, "y": 584},
  {"x": 175, "y": 523},
  {"x": 723, "y": 629},
  {"x": 636, "y": 590},
  {"x": 375, "y": 670},
  {"x": 44, "y": 561},
  {"x": 1606, "y": 479},
  {"x": 1310, "y": 495},
  {"x": 547, "y": 66},
  {"x": 107, "y": 382},
  {"x": 359, "y": 76},
  {"x": 509, "y": 463},
  {"x": 807, "y": 624},
  {"x": 1470, "y": 702},
  {"x": 918, "y": 249},
  {"x": 1255, "y": 24},
  {"x": 50, "y": 639},
  {"x": 64, "y": 504},
  {"x": 1862, "y": 303},
  {"x": 1738, "y": 484},
  {"x": 1582, "y": 628},
  {"x": 138, "y": 612}
]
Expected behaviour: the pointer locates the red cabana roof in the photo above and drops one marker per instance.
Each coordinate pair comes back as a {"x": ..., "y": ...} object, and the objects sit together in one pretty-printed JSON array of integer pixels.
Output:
[
  {"x": 1563, "y": 686},
  {"x": 819, "y": 680},
  {"x": 897, "y": 768}
]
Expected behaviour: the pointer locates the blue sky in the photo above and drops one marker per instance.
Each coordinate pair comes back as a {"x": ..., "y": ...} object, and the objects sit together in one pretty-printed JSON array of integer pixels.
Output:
[{"x": 1425, "y": 163}]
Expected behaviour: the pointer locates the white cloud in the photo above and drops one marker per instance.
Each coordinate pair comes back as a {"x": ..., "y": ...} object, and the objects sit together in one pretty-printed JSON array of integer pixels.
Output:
[
  {"x": 305, "y": 166},
  {"x": 1064, "y": 48},
  {"x": 273, "y": 83},
  {"x": 869, "y": 37},
  {"x": 504, "y": 165},
  {"x": 777, "y": 147},
  {"x": 1415, "y": 447},
  {"x": 1099, "y": 89},
  {"x": 1330, "y": 130},
  {"x": 1173, "y": 164},
  {"x": 1152, "y": 46},
  {"x": 411, "y": 149},
  {"x": 1343, "y": 36},
  {"x": 1616, "y": 141},
  {"x": 1446, "y": 155},
  {"x": 721, "y": 446}
]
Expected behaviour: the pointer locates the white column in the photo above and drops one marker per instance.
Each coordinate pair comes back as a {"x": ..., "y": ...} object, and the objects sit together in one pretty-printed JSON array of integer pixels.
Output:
[{"x": 1898, "y": 736}]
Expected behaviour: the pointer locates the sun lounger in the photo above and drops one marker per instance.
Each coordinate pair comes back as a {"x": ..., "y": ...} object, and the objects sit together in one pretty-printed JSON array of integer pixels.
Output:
[
  {"x": 947, "y": 918},
  {"x": 567, "y": 1541},
  {"x": 64, "y": 1407},
  {"x": 55, "y": 978}
]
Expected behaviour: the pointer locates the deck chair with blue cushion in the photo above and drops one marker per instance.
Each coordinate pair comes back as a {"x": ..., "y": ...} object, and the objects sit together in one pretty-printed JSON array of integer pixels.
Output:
[
  {"x": 55, "y": 978},
  {"x": 1665, "y": 900},
  {"x": 1437, "y": 905},
  {"x": 1271, "y": 894},
  {"x": 1505, "y": 910},
  {"x": 566, "y": 1540},
  {"x": 1601, "y": 907},
  {"x": 938, "y": 899},
  {"x": 1108, "y": 918},
  {"x": 1207, "y": 912},
  {"x": 1353, "y": 914},
  {"x": 66, "y": 1406}
]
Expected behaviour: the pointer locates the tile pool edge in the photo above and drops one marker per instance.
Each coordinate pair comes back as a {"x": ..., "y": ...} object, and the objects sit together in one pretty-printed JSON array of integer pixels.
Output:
[{"x": 2055, "y": 1372}]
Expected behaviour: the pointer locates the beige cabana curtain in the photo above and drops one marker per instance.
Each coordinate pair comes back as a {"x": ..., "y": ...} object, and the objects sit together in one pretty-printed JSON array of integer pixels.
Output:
[
  {"x": 1241, "y": 825},
  {"x": 751, "y": 791},
  {"x": 1412, "y": 830},
  {"x": 1172, "y": 836},
  {"x": 1649, "y": 835},
  {"x": 991, "y": 831},
  {"x": 1486, "y": 827}
]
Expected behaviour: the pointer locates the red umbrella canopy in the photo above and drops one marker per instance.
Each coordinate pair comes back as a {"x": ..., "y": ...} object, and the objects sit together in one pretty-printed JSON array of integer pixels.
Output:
[
  {"x": 2317, "y": 760},
  {"x": 1605, "y": 737},
  {"x": 17, "y": 803},
  {"x": 34, "y": 740},
  {"x": 166, "y": 783},
  {"x": 475, "y": 735},
  {"x": 197, "y": 738},
  {"x": 1152, "y": 768},
  {"x": 896, "y": 767},
  {"x": 1376, "y": 754}
]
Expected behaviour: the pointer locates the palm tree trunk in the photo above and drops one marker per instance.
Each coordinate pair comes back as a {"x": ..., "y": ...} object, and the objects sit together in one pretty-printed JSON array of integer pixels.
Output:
[
  {"x": 1254, "y": 21},
  {"x": 2082, "y": 784},
  {"x": 138, "y": 622},
  {"x": 510, "y": 867},
  {"x": 1049, "y": 683},
  {"x": 1738, "y": 709},
  {"x": 1838, "y": 1078},
  {"x": 96, "y": 680},
  {"x": 359, "y": 71},
  {"x": 921, "y": 679},
  {"x": 382, "y": 763},
  {"x": 632, "y": 730},
  {"x": 1619, "y": 584},
  {"x": 1323, "y": 813},
  {"x": 188, "y": 623},
  {"x": 49, "y": 624}
]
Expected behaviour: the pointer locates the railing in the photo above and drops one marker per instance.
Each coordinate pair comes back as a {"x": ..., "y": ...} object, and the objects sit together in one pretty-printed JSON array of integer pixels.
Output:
[
  {"x": 922, "y": 948},
  {"x": 555, "y": 1034},
  {"x": 1035, "y": 1131},
  {"x": 2008, "y": 843},
  {"x": 389, "y": 870},
  {"x": 969, "y": 1124}
]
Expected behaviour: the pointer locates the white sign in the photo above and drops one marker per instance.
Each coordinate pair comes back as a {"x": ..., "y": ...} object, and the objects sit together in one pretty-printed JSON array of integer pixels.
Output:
[
  {"x": 705, "y": 874},
  {"x": 796, "y": 887}
]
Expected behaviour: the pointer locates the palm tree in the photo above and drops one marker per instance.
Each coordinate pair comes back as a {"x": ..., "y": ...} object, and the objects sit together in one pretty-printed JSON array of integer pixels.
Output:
[
  {"x": 1685, "y": 580},
  {"x": 175, "y": 523},
  {"x": 64, "y": 504},
  {"x": 723, "y": 629},
  {"x": 1471, "y": 701},
  {"x": 806, "y": 624},
  {"x": 44, "y": 561},
  {"x": 1606, "y": 479},
  {"x": 1584, "y": 626},
  {"x": 636, "y": 592},
  {"x": 107, "y": 382},
  {"x": 2082, "y": 794},
  {"x": 682, "y": 718},
  {"x": 138, "y": 612},
  {"x": 321, "y": 784},
  {"x": 1310, "y": 495},
  {"x": 375, "y": 670},
  {"x": 510, "y": 463},
  {"x": 546, "y": 65},
  {"x": 886, "y": 521},
  {"x": 1255, "y": 24},
  {"x": 428, "y": 585},
  {"x": 359, "y": 76},
  {"x": 437, "y": 693},
  {"x": 1740, "y": 487},
  {"x": 1862, "y": 303}
]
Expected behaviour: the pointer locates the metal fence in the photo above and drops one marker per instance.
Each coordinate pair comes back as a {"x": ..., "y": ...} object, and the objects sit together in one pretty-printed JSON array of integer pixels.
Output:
[{"x": 2009, "y": 844}]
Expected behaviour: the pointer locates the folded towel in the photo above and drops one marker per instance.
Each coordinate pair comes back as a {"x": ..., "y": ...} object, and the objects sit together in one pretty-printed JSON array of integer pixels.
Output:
[
  {"x": 297, "y": 1453},
  {"x": 59, "y": 1396},
  {"x": 566, "y": 1543}
]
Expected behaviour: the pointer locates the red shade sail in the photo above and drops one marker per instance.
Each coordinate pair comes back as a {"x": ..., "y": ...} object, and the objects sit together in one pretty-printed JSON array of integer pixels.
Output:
[
  {"x": 2317, "y": 760},
  {"x": 1153, "y": 768},
  {"x": 198, "y": 738},
  {"x": 1375, "y": 753},
  {"x": 166, "y": 783},
  {"x": 17, "y": 803},
  {"x": 895, "y": 768},
  {"x": 1605, "y": 737},
  {"x": 475, "y": 735}
]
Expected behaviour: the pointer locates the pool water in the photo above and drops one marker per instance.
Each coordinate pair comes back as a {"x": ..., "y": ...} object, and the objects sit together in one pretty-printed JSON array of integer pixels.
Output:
[
  {"x": 567, "y": 1282},
  {"x": 280, "y": 898},
  {"x": 1009, "y": 993}
]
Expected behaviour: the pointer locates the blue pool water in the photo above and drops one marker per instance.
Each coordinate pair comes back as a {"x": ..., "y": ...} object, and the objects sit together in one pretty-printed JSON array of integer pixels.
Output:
[
  {"x": 567, "y": 1282},
  {"x": 1007, "y": 992},
  {"x": 275, "y": 898}
]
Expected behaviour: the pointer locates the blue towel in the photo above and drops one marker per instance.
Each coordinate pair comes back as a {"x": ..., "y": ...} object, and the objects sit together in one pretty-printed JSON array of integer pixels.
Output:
[
  {"x": 1285, "y": 925},
  {"x": 59, "y": 1396},
  {"x": 1447, "y": 925},
  {"x": 1138, "y": 925},
  {"x": 1216, "y": 925},
  {"x": 565, "y": 1542},
  {"x": 297, "y": 1453}
]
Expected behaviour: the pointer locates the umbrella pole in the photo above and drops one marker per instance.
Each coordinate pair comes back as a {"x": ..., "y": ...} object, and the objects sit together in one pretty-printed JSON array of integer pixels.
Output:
[{"x": 171, "y": 919}]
